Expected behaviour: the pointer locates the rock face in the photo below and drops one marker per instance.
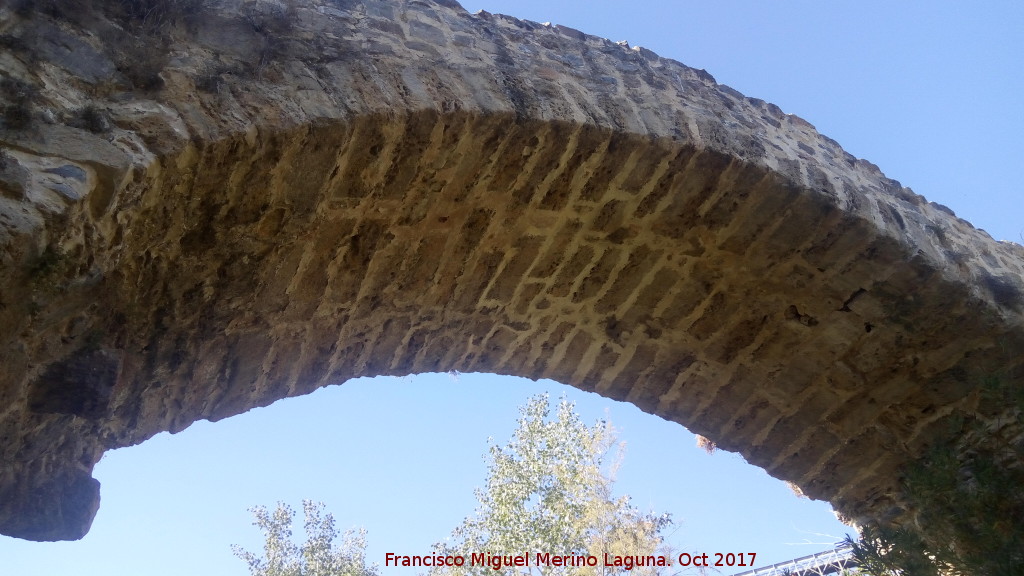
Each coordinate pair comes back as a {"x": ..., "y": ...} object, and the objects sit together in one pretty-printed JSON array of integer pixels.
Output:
[{"x": 208, "y": 208}]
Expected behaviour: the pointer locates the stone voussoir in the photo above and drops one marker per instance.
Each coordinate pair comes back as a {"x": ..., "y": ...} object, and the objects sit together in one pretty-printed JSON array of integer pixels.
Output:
[{"x": 296, "y": 194}]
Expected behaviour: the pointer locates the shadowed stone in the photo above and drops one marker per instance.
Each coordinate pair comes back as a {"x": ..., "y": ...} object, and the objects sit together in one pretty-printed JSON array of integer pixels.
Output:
[{"x": 80, "y": 385}]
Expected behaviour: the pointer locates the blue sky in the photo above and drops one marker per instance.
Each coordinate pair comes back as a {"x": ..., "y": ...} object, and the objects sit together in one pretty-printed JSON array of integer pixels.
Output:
[
  {"x": 400, "y": 457},
  {"x": 929, "y": 91}
]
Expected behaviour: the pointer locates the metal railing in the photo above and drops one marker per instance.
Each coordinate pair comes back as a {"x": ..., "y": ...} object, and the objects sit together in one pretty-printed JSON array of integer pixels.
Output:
[{"x": 820, "y": 564}]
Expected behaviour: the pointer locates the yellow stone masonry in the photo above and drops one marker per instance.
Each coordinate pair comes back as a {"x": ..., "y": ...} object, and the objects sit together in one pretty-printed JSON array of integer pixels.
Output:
[{"x": 296, "y": 198}]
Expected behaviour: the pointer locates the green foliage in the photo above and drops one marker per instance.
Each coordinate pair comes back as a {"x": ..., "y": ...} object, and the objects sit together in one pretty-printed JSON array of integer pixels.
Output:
[
  {"x": 890, "y": 551},
  {"x": 968, "y": 506},
  {"x": 319, "y": 556},
  {"x": 550, "y": 490}
]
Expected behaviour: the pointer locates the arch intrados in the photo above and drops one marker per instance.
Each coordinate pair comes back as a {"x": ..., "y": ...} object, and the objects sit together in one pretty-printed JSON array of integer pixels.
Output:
[
  {"x": 701, "y": 268},
  {"x": 647, "y": 270}
]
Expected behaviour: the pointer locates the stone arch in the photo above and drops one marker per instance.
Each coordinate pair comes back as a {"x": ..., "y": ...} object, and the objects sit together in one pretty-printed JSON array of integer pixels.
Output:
[{"x": 478, "y": 193}]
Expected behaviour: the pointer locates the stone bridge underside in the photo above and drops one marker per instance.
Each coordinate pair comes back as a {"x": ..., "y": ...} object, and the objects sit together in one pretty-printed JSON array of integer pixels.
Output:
[{"x": 401, "y": 187}]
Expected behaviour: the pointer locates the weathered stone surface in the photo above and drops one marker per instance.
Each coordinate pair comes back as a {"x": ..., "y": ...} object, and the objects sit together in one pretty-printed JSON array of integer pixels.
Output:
[{"x": 291, "y": 199}]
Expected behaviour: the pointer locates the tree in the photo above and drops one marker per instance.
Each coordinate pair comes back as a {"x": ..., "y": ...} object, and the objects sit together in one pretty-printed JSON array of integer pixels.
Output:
[
  {"x": 550, "y": 491},
  {"x": 968, "y": 510},
  {"x": 317, "y": 557},
  {"x": 967, "y": 502}
]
